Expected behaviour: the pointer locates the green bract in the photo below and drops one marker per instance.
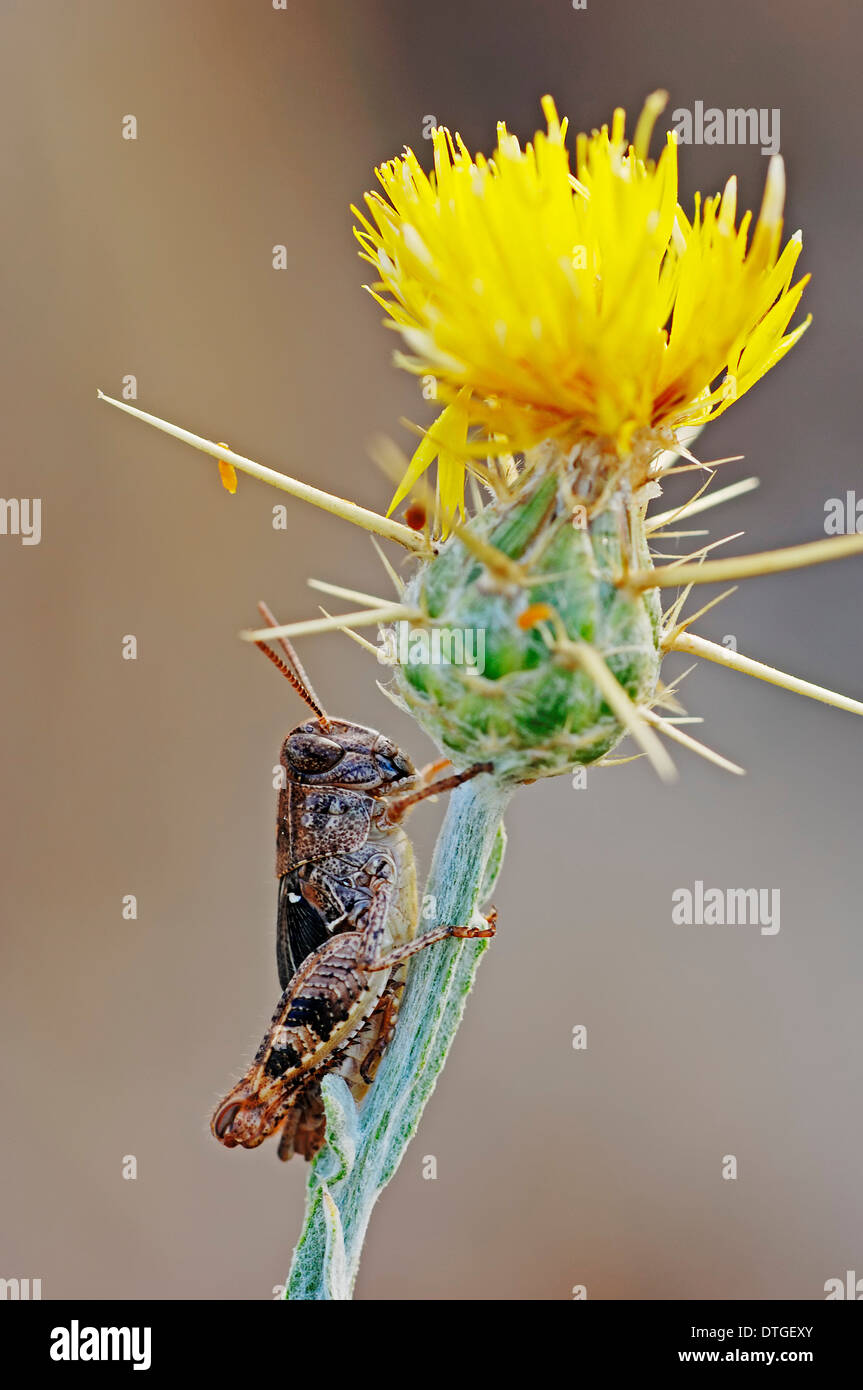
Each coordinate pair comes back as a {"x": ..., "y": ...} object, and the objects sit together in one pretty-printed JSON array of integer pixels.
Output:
[{"x": 531, "y": 710}]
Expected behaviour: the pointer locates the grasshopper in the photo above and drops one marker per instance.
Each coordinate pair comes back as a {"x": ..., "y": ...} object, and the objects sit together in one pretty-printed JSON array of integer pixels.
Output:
[{"x": 346, "y": 918}]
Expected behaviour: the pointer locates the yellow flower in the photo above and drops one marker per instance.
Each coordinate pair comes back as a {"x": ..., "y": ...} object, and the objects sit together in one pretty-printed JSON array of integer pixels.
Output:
[{"x": 585, "y": 307}]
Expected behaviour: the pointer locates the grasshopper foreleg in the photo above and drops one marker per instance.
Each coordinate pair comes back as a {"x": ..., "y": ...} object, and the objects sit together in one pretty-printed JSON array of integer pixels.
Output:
[{"x": 396, "y": 809}]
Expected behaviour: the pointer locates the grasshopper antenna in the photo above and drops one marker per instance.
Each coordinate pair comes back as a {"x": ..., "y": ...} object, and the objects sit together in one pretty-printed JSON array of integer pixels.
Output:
[{"x": 293, "y": 669}]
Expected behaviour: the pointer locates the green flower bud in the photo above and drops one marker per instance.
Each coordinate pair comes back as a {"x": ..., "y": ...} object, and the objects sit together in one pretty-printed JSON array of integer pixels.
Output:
[{"x": 521, "y": 698}]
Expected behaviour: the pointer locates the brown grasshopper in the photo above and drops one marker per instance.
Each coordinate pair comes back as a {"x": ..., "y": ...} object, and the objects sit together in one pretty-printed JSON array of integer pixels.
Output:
[{"x": 346, "y": 920}]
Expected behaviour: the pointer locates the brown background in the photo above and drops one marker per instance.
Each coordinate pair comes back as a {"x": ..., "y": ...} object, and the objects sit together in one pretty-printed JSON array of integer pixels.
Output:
[{"x": 154, "y": 777}]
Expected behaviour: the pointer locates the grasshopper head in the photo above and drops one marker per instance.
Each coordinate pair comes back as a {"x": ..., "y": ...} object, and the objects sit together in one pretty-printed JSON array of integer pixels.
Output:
[
  {"x": 336, "y": 753},
  {"x": 329, "y": 751}
]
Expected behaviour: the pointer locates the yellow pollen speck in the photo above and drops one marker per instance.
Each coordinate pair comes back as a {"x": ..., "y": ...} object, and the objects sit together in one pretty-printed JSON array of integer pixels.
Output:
[
  {"x": 536, "y": 613},
  {"x": 227, "y": 472}
]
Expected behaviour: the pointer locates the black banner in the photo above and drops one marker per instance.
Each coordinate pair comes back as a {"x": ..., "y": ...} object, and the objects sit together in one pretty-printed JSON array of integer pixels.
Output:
[{"x": 242, "y": 1340}]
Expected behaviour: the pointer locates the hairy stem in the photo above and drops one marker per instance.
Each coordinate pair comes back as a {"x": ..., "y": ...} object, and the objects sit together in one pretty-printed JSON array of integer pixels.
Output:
[{"x": 365, "y": 1144}]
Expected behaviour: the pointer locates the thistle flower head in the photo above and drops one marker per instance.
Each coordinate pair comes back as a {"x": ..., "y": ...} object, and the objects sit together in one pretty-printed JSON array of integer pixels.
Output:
[{"x": 583, "y": 306}]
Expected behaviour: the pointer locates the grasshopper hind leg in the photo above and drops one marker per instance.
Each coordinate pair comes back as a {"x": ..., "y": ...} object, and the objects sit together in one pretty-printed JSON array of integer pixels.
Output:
[
  {"x": 305, "y": 1126},
  {"x": 363, "y": 1056}
]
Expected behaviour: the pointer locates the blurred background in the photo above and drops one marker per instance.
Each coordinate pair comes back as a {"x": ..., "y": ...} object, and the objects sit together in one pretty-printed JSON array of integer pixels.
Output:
[{"x": 153, "y": 777}]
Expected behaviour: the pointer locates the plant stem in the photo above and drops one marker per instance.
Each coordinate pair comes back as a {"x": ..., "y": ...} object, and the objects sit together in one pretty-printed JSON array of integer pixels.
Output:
[{"x": 365, "y": 1144}]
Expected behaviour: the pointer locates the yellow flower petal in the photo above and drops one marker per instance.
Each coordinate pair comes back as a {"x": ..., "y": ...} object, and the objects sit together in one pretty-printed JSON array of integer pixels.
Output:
[{"x": 584, "y": 305}]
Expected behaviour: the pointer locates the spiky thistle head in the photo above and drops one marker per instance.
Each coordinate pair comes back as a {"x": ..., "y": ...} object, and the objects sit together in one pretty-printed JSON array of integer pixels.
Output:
[{"x": 582, "y": 306}]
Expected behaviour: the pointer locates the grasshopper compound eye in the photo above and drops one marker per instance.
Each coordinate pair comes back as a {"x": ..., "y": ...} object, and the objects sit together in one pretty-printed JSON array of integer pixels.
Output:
[{"x": 308, "y": 752}]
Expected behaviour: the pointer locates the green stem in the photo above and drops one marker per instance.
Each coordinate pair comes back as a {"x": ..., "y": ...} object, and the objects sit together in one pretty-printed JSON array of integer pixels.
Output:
[{"x": 365, "y": 1144}]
